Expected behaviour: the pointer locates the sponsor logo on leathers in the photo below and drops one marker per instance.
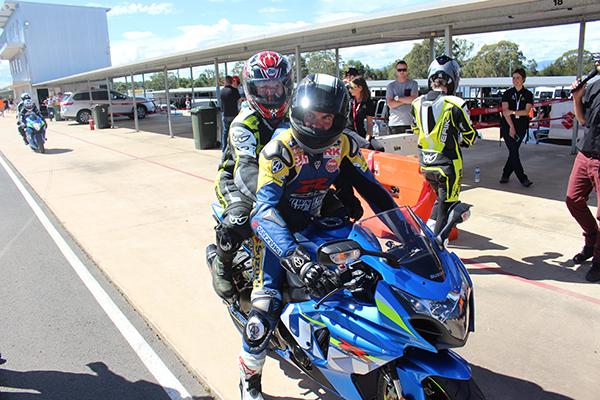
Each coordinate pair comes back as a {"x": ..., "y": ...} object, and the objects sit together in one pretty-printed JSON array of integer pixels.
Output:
[
  {"x": 428, "y": 158},
  {"x": 276, "y": 166},
  {"x": 238, "y": 219}
]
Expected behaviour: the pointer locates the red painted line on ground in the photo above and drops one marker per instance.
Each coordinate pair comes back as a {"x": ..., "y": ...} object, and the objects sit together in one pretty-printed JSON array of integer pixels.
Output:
[
  {"x": 136, "y": 157},
  {"x": 535, "y": 283}
]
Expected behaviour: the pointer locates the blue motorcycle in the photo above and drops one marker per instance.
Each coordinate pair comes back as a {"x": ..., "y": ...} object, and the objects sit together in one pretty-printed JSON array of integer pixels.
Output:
[
  {"x": 386, "y": 333},
  {"x": 35, "y": 132}
]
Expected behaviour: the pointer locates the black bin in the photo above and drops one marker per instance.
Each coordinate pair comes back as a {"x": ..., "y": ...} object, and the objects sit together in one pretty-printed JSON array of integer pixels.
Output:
[{"x": 204, "y": 126}]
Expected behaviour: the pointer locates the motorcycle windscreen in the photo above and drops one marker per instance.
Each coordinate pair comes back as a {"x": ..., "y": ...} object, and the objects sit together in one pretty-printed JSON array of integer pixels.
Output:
[{"x": 400, "y": 233}]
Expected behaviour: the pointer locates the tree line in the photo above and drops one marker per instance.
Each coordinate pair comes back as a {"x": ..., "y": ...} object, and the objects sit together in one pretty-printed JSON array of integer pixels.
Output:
[{"x": 492, "y": 60}]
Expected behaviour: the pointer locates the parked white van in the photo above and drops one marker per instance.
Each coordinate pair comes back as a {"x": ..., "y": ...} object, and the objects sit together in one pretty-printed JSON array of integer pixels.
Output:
[{"x": 78, "y": 106}]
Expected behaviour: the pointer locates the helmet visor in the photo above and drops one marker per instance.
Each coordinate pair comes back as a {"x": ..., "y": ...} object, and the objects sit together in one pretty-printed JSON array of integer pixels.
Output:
[{"x": 269, "y": 92}]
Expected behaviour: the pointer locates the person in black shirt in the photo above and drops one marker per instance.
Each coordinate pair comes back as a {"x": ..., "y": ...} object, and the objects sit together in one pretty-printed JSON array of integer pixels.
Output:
[
  {"x": 514, "y": 126},
  {"x": 362, "y": 109},
  {"x": 230, "y": 98}
]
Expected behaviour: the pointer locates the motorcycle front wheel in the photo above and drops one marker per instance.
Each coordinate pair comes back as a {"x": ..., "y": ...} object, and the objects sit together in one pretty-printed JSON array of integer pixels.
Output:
[
  {"x": 39, "y": 139},
  {"x": 435, "y": 388}
]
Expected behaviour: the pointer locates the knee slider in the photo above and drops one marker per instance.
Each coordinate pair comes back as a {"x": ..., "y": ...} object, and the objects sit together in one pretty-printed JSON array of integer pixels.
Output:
[{"x": 257, "y": 332}]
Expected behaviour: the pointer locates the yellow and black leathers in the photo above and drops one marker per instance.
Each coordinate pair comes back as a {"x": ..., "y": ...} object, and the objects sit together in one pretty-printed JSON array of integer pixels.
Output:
[
  {"x": 443, "y": 125},
  {"x": 287, "y": 173},
  {"x": 236, "y": 180}
]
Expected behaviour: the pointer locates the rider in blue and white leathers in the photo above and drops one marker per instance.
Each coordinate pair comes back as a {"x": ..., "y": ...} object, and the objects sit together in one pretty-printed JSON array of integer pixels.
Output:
[{"x": 296, "y": 170}]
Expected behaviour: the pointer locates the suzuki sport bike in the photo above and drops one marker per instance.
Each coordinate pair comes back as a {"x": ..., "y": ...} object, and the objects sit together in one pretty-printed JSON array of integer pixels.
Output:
[
  {"x": 386, "y": 332},
  {"x": 35, "y": 132}
]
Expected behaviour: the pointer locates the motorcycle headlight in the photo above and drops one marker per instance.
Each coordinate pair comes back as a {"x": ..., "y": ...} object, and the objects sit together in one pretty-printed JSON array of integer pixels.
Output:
[
  {"x": 37, "y": 126},
  {"x": 452, "y": 313}
]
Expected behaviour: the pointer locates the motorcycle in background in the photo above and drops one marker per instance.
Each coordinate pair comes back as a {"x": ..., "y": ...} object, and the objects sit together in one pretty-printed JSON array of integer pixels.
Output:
[
  {"x": 35, "y": 132},
  {"x": 387, "y": 331}
]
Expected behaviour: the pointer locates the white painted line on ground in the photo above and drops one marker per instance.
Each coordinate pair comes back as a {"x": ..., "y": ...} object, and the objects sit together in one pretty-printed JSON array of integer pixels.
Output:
[{"x": 155, "y": 365}]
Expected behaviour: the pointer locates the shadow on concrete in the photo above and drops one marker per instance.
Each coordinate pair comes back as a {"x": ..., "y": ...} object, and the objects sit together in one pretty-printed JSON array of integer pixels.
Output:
[
  {"x": 57, "y": 151},
  {"x": 468, "y": 240},
  {"x": 159, "y": 124},
  {"x": 535, "y": 267},
  {"x": 547, "y": 166},
  {"x": 154, "y": 123},
  {"x": 496, "y": 386},
  {"x": 102, "y": 385},
  {"x": 311, "y": 387}
]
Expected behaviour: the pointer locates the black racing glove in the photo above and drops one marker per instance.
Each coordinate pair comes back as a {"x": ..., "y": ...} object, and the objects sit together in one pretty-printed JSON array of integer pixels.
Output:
[
  {"x": 318, "y": 279},
  {"x": 294, "y": 262},
  {"x": 351, "y": 203},
  {"x": 295, "y": 220}
]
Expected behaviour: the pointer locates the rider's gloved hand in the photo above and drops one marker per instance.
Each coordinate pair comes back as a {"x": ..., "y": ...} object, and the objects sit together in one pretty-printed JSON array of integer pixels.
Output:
[
  {"x": 318, "y": 279},
  {"x": 351, "y": 203},
  {"x": 294, "y": 262},
  {"x": 295, "y": 220},
  {"x": 355, "y": 210}
]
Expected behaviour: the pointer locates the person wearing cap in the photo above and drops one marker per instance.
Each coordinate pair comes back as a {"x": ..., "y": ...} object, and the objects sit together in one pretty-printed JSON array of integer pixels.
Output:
[
  {"x": 399, "y": 96},
  {"x": 237, "y": 84},
  {"x": 350, "y": 74}
]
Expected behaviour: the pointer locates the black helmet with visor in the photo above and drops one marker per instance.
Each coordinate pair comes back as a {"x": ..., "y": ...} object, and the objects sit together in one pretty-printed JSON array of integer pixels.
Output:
[{"x": 321, "y": 93}]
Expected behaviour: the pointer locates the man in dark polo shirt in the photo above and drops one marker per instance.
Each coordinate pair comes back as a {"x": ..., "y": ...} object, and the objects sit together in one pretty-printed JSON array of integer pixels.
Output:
[{"x": 230, "y": 98}]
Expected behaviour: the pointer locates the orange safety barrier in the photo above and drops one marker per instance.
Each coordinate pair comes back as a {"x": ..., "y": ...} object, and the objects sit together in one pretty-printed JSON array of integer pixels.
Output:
[{"x": 401, "y": 176}]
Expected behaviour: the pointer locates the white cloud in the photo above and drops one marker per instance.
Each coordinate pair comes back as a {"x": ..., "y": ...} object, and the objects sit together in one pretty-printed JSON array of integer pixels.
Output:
[
  {"x": 271, "y": 10},
  {"x": 132, "y": 8},
  {"x": 192, "y": 37},
  {"x": 137, "y": 35}
]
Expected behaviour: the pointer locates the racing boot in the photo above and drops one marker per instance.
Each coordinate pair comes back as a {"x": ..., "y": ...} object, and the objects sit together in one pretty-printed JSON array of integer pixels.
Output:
[
  {"x": 221, "y": 277},
  {"x": 251, "y": 366}
]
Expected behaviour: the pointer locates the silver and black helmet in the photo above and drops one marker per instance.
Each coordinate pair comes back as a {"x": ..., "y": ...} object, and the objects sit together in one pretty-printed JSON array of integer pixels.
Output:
[{"x": 445, "y": 68}]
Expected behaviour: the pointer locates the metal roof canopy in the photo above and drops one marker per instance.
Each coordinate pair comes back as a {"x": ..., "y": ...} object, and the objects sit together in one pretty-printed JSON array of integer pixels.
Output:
[{"x": 411, "y": 23}]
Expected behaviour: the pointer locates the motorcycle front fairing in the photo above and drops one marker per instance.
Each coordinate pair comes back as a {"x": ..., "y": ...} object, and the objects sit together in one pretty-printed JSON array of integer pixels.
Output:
[
  {"x": 35, "y": 127},
  {"x": 430, "y": 289}
]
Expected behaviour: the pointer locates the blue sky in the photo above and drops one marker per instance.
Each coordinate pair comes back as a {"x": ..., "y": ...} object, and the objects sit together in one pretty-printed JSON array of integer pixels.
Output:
[{"x": 147, "y": 29}]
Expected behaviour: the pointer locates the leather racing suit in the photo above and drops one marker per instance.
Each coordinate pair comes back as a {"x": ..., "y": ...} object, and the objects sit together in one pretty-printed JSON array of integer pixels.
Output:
[
  {"x": 286, "y": 172},
  {"x": 443, "y": 125},
  {"x": 235, "y": 185}
]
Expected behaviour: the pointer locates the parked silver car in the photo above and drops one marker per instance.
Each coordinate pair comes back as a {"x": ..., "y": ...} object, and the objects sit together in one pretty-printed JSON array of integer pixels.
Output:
[{"x": 78, "y": 106}]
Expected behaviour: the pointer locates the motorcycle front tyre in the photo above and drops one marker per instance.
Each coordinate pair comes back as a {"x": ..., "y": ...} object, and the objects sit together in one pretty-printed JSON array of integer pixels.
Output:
[
  {"x": 436, "y": 388},
  {"x": 39, "y": 139}
]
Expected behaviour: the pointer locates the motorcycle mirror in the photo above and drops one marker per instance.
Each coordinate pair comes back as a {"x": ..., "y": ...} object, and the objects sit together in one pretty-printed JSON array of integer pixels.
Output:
[{"x": 347, "y": 251}]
